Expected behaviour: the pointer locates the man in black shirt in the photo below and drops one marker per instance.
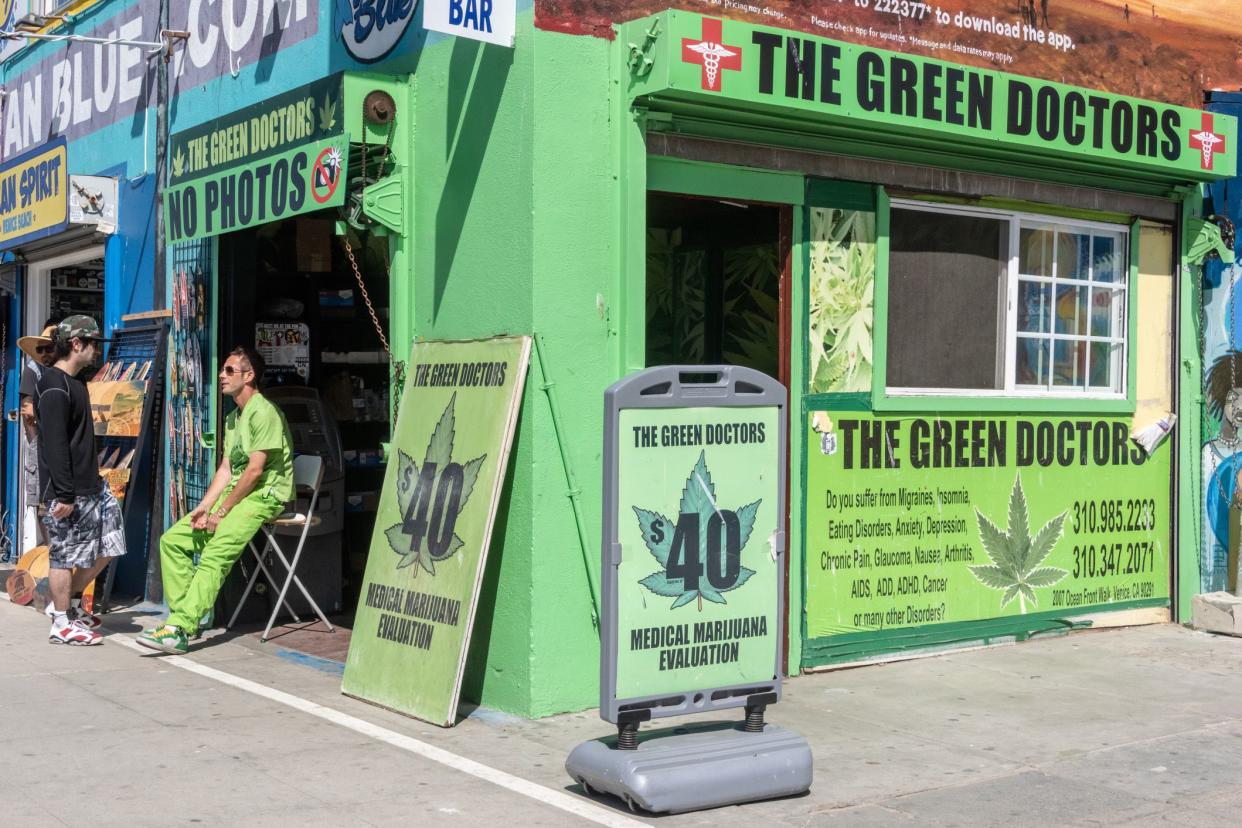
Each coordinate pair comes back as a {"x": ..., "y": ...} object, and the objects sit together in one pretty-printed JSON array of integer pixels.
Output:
[{"x": 83, "y": 519}]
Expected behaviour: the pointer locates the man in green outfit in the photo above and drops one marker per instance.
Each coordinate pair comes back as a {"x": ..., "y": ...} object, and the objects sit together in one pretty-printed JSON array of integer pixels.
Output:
[{"x": 251, "y": 486}]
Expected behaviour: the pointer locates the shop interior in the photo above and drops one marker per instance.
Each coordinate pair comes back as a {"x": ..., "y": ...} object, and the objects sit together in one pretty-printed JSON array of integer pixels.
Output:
[
  {"x": 78, "y": 289},
  {"x": 288, "y": 289},
  {"x": 713, "y": 283}
]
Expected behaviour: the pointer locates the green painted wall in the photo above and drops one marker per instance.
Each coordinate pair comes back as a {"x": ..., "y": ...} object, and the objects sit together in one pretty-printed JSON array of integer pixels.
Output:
[
  {"x": 513, "y": 215},
  {"x": 472, "y": 268}
]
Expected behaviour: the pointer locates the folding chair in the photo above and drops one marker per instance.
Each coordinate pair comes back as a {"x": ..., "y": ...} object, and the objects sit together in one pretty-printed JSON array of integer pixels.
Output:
[{"x": 307, "y": 474}]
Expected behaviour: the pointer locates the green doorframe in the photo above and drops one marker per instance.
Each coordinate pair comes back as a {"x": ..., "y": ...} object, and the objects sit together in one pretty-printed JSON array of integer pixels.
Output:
[
  {"x": 1187, "y": 485},
  {"x": 640, "y": 173},
  {"x": 398, "y": 189}
]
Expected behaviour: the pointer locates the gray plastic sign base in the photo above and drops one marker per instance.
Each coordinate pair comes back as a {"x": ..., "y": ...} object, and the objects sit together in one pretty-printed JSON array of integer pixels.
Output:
[{"x": 695, "y": 766}]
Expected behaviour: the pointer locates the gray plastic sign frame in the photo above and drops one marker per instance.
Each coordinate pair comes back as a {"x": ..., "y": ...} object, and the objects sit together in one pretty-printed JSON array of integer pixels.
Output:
[{"x": 673, "y": 387}]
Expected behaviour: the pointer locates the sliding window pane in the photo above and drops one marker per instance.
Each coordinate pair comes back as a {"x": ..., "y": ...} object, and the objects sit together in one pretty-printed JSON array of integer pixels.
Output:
[
  {"x": 1071, "y": 310},
  {"x": 1035, "y": 252},
  {"x": 1105, "y": 365},
  {"x": 1104, "y": 259},
  {"x": 1034, "y": 306},
  {"x": 1073, "y": 255},
  {"x": 1069, "y": 363},
  {"x": 1105, "y": 312},
  {"x": 1032, "y": 362}
]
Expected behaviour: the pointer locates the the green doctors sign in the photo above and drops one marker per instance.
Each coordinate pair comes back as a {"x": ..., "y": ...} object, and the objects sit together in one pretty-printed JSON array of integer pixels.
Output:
[
  {"x": 693, "y": 536},
  {"x": 266, "y": 162},
  {"x": 873, "y": 96},
  {"x": 434, "y": 523},
  {"x": 925, "y": 522}
]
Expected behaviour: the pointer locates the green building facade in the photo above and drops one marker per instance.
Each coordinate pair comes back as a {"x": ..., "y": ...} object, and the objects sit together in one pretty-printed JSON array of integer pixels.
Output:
[
  {"x": 975, "y": 278},
  {"x": 970, "y": 281}
]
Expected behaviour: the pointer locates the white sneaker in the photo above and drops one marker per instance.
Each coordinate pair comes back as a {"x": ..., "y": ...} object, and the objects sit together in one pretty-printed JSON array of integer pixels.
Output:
[
  {"x": 73, "y": 635},
  {"x": 76, "y": 615}
]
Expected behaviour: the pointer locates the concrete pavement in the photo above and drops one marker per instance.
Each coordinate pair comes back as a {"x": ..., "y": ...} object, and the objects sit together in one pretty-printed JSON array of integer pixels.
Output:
[{"x": 1116, "y": 727}]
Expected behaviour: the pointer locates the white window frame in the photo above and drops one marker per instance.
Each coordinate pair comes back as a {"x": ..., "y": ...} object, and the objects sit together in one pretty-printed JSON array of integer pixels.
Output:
[
  {"x": 1016, "y": 221},
  {"x": 50, "y": 6}
]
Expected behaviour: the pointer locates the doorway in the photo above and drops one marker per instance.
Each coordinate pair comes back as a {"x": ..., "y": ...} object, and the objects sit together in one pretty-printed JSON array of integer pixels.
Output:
[
  {"x": 55, "y": 288},
  {"x": 716, "y": 272}
]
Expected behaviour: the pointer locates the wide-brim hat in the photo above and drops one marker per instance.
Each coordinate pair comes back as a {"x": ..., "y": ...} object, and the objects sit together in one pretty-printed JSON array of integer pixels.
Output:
[{"x": 27, "y": 344}]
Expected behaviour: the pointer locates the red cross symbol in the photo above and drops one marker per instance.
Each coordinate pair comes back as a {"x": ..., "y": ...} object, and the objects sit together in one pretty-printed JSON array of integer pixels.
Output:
[
  {"x": 1207, "y": 141},
  {"x": 711, "y": 54}
]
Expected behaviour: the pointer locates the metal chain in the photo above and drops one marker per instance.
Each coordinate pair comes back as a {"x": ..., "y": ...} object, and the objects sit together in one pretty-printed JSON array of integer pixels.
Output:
[{"x": 398, "y": 366}]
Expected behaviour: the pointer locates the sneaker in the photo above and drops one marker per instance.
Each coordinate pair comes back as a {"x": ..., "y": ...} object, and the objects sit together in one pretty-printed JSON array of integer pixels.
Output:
[
  {"x": 86, "y": 619},
  {"x": 167, "y": 639},
  {"x": 74, "y": 635},
  {"x": 76, "y": 615}
]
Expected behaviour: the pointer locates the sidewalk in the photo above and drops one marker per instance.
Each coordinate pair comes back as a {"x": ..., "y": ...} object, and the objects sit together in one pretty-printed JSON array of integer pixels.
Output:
[{"x": 1118, "y": 727}]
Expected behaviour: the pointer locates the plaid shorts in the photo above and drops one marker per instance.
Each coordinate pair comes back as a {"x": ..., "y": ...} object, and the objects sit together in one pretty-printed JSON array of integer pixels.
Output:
[{"x": 93, "y": 531}]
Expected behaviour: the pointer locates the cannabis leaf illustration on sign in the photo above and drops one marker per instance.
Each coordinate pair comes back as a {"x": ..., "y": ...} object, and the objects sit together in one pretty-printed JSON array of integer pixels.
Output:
[
  {"x": 1015, "y": 555},
  {"x": 178, "y": 164},
  {"x": 430, "y": 497},
  {"x": 327, "y": 113},
  {"x": 700, "y": 552}
]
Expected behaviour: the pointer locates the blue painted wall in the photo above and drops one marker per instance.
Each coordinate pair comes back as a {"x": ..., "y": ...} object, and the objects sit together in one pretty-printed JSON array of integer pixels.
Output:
[{"x": 1222, "y": 338}]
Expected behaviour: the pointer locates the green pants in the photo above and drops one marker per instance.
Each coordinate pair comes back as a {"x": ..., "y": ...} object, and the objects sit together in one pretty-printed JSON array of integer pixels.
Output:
[{"x": 191, "y": 590}]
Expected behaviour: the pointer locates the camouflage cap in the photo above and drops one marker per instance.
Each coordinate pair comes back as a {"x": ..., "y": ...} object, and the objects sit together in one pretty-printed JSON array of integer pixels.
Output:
[{"x": 79, "y": 326}]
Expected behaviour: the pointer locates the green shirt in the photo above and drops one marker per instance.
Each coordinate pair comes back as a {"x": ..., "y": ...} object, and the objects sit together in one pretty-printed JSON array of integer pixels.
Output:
[{"x": 261, "y": 426}]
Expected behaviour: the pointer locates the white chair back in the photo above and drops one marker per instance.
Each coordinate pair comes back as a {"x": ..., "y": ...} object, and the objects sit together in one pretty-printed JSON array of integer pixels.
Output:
[{"x": 308, "y": 471}]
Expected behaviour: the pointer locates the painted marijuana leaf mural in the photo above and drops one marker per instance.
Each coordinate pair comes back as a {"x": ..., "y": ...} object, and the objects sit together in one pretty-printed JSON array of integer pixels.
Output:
[
  {"x": 430, "y": 497},
  {"x": 842, "y": 297},
  {"x": 1016, "y": 556},
  {"x": 700, "y": 554}
]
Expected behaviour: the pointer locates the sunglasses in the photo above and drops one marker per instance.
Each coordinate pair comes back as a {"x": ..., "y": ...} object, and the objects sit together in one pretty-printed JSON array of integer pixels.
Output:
[
  {"x": 43, "y": 349},
  {"x": 229, "y": 370}
]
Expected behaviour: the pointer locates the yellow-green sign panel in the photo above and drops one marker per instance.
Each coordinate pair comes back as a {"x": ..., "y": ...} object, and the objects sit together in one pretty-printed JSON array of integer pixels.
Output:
[
  {"x": 865, "y": 87},
  {"x": 34, "y": 195},
  {"x": 913, "y": 521},
  {"x": 696, "y": 517},
  {"x": 445, "y": 471}
]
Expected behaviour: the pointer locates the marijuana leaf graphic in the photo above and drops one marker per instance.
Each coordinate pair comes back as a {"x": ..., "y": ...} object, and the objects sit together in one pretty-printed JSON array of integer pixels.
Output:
[
  {"x": 694, "y": 564},
  {"x": 178, "y": 164},
  {"x": 1015, "y": 555},
  {"x": 430, "y": 497},
  {"x": 327, "y": 113}
]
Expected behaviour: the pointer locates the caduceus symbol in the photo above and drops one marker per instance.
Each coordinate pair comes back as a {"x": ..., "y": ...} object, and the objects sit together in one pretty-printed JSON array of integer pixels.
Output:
[
  {"x": 712, "y": 53},
  {"x": 1207, "y": 143}
]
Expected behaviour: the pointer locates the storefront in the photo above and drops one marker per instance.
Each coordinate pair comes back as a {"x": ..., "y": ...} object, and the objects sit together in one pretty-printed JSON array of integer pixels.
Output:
[
  {"x": 270, "y": 248},
  {"x": 59, "y": 236},
  {"x": 972, "y": 281}
]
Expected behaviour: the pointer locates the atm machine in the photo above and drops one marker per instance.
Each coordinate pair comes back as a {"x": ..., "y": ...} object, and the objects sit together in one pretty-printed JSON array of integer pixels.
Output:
[{"x": 314, "y": 431}]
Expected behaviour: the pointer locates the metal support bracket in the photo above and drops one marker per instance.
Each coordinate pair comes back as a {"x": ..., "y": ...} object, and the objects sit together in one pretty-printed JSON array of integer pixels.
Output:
[
  {"x": 1205, "y": 238},
  {"x": 640, "y": 61},
  {"x": 382, "y": 200}
]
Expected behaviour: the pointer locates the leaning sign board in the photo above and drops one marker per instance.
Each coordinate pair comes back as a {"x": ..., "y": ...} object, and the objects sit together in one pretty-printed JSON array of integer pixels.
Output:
[
  {"x": 693, "y": 542},
  {"x": 434, "y": 523}
]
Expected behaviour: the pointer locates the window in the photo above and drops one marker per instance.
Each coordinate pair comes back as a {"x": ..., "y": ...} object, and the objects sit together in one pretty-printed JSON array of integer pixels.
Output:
[{"x": 998, "y": 303}]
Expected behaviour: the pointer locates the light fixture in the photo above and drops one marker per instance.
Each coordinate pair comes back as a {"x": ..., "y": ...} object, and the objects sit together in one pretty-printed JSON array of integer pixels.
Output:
[{"x": 36, "y": 22}]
